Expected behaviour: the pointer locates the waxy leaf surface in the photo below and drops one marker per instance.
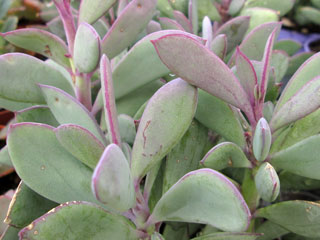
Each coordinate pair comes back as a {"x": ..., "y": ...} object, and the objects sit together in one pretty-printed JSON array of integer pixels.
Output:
[
  {"x": 204, "y": 196},
  {"x": 40, "y": 41},
  {"x": 168, "y": 23},
  {"x": 165, "y": 120},
  {"x": 281, "y": 7},
  {"x": 79, "y": 220},
  {"x": 67, "y": 109},
  {"x": 124, "y": 31},
  {"x": 225, "y": 155},
  {"x": 81, "y": 143},
  {"x": 202, "y": 69},
  {"x": 37, "y": 114},
  {"x": 219, "y": 46},
  {"x": 301, "y": 158},
  {"x": 111, "y": 181},
  {"x": 44, "y": 165},
  {"x": 288, "y": 45},
  {"x": 20, "y": 74},
  {"x": 91, "y": 10},
  {"x": 300, "y": 217},
  {"x": 228, "y": 236}
]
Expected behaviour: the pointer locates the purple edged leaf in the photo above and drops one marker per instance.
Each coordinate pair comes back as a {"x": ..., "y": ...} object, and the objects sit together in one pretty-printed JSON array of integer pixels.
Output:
[
  {"x": 306, "y": 72},
  {"x": 111, "y": 181},
  {"x": 79, "y": 220},
  {"x": 166, "y": 118},
  {"x": 19, "y": 76},
  {"x": 109, "y": 101},
  {"x": 204, "y": 196},
  {"x": 266, "y": 61},
  {"x": 246, "y": 74},
  {"x": 124, "y": 31},
  {"x": 302, "y": 103},
  {"x": 254, "y": 43},
  {"x": 235, "y": 30},
  {"x": 81, "y": 143},
  {"x": 67, "y": 109},
  {"x": 86, "y": 53},
  {"x": 168, "y": 23},
  {"x": 202, "y": 69},
  {"x": 183, "y": 20},
  {"x": 153, "y": 26},
  {"x": 91, "y": 10},
  {"x": 40, "y": 41}
]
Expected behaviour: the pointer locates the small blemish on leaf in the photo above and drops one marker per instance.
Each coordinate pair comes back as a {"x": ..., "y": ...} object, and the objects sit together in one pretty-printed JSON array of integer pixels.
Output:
[
  {"x": 230, "y": 163},
  {"x": 35, "y": 232},
  {"x": 139, "y": 5},
  {"x": 47, "y": 50},
  {"x": 56, "y": 99},
  {"x": 43, "y": 167},
  {"x": 30, "y": 226},
  {"x": 308, "y": 209},
  {"x": 121, "y": 29}
]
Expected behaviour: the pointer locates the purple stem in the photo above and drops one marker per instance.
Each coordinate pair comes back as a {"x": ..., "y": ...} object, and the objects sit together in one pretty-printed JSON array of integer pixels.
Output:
[{"x": 65, "y": 13}]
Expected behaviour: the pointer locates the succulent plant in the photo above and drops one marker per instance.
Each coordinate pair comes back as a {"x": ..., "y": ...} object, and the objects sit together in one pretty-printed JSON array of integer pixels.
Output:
[{"x": 106, "y": 150}]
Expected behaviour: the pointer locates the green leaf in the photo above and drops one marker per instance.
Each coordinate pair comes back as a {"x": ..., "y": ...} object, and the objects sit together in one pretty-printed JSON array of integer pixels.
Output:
[
  {"x": 228, "y": 236},
  {"x": 288, "y": 45},
  {"x": 306, "y": 72},
  {"x": 271, "y": 230},
  {"x": 290, "y": 181},
  {"x": 6, "y": 166},
  {"x": 111, "y": 181},
  {"x": 300, "y": 217},
  {"x": 91, "y": 10},
  {"x": 225, "y": 155},
  {"x": 176, "y": 230},
  {"x": 203, "y": 196},
  {"x": 267, "y": 182},
  {"x": 280, "y": 63},
  {"x": 305, "y": 101},
  {"x": 38, "y": 114},
  {"x": 235, "y": 30},
  {"x": 183, "y": 21},
  {"x": 40, "y": 41},
  {"x": 4, "y": 205},
  {"x": 165, "y": 120},
  {"x": 4, "y": 7},
  {"x": 281, "y": 7},
  {"x": 27, "y": 205},
  {"x": 44, "y": 165},
  {"x": 10, "y": 24},
  {"x": 165, "y": 8},
  {"x": 11, "y": 233},
  {"x": 301, "y": 158},
  {"x": 79, "y": 220},
  {"x": 168, "y": 23},
  {"x": 127, "y": 128},
  {"x": 261, "y": 140},
  {"x": 19, "y": 78},
  {"x": 124, "y": 31},
  {"x": 296, "y": 61},
  {"x": 86, "y": 53},
  {"x": 185, "y": 156},
  {"x": 207, "y": 8},
  {"x": 82, "y": 144},
  {"x": 203, "y": 69},
  {"x": 141, "y": 63},
  {"x": 67, "y": 109},
  {"x": 311, "y": 14},
  {"x": 218, "y": 116},
  {"x": 219, "y": 46}
]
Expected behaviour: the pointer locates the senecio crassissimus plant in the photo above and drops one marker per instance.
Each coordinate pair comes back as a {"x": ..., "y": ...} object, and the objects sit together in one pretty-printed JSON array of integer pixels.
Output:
[{"x": 113, "y": 182}]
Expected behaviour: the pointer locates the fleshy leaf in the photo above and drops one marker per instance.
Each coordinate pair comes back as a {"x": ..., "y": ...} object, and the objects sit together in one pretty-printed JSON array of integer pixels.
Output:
[
  {"x": 168, "y": 23},
  {"x": 185, "y": 156},
  {"x": 267, "y": 182},
  {"x": 305, "y": 101},
  {"x": 280, "y": 63},
  {"x": 27, "y": 205},
  {"x": 288, "y": 45},
  {"x": 86, "y": 53},
  {"x": 228, "y": 236},
  {"x": 124, "y": 31},
  {"x": 281, "y": 7},
  {"x": 111, "y": 181},
  {"x": 40, "y": 41},
  {"x": 300, "y": 217},
  {"x": 296, "y": 61},
  {"x": 290, "y": 181},
  {"x": 306, "y": 72},
  {"x": 127, "y": 128},
  {"x": 225, "y": 155},
  {"x": 254, "y": 43},
  {"x": 301, "y": 158},
  {"x": 44, "y": 165},
  {"x": 145, "y": 60},
  {"x": 37, "y": 114},
  {"x": 203, "y": 69},
  {"x": 84, "y": 221},
  {"x": 109, "y": 101},
  {"x": 204, "y": 196},
  {"x": 261, "y": 140},
  {"x": 183, "y": 20},
  {"x": 235, "y": 30},
  {"x": 91, "y": 10},
  {"x": 11, "y": 233},
  {"x": 219, "y": 46},
  {"x": 270, "y": 231},
  {"x": 6, "y": 166},
  {"x": 219, "y": 117},
  {"x": 67, "y": 109},
  {"x": 81, "y": 143},
  {"x": 246, "y": 74},
  {"x": 20, "y": 74},
  {"x": 207, "y": 33},
  {"x": 165, "y": 120}
]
